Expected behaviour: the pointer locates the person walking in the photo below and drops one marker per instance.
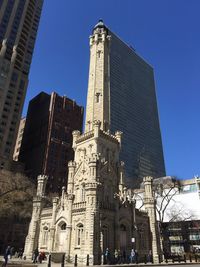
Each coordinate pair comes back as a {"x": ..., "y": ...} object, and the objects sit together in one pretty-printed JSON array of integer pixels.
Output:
[
  {"x": 124, "y": 256},
  {"x": 149, "y": 257},
  {"x": 136, "y": 256},
  {"x": 35, "y": 255},
  {"x": 116, "y": 256},
  {"x": 6, "y": 256},
  {"x": 107, "y": 256},
  {"x": 132, "y": 256}
]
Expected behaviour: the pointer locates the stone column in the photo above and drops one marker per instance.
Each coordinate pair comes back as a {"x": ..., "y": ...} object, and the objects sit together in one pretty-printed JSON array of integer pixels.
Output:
[
  {"x": 70, "y": 198},
  {"x": 150, "y": 206},
  {"x": 52, "y": 228},
  {"x": 92, "y": 225}
]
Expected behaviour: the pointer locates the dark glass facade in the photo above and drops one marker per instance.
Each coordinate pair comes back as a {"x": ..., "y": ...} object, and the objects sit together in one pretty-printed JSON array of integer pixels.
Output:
[
  {"x": 19, "y": 21},
  {"x": 133, "y": 110},
  {"x": 47, "y": 140}
]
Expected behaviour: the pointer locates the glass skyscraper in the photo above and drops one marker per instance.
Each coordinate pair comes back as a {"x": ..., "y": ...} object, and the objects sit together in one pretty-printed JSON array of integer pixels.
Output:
[
  {"x": 122, "y": 87},
  {"x": 19, "y": 20}
]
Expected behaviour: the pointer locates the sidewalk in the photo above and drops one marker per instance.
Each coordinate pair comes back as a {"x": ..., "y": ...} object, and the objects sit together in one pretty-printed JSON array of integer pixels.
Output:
[{"x": 27, "y": 263}]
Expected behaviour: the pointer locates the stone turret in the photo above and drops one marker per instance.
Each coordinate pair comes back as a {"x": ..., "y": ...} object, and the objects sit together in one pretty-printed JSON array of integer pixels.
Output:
[
  {"x": 41, "y": 186},
  {"x": 76, "y": 135},
  {"x": 71, "y": 172},
  {"x": 150, "y": 206},
  {"x": 33, "y": 233}
]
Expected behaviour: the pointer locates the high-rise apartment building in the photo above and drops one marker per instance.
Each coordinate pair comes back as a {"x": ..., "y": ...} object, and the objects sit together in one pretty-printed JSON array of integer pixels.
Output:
[
  {"x": 19, "y": 139},
  {"x": 47, "y": 141},
  {"x": 19, "y": 20},
  {"x": 121, "y": 94}
]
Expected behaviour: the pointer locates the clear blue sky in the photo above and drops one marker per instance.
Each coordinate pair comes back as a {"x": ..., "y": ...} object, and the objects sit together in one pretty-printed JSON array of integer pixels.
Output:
[{"x": 166, "y": 33}]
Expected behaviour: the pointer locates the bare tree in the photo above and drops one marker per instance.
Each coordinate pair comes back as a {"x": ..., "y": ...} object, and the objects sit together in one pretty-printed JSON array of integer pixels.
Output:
[
  {"x": 164, "y": 191},
  {"x": 179, "y": 213},
  {"x": 16, "y": 192}
]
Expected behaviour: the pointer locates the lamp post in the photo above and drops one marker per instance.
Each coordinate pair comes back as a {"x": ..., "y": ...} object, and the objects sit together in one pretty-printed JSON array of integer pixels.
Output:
[
  {"x": 132, "y": 201},
  {"x": 127, "y": 199}
]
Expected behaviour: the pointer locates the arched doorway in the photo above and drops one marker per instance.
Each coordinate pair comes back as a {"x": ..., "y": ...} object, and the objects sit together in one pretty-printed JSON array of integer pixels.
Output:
[
  {"x": 123, "y": 237},
  {"x": 61, "y": 236}
]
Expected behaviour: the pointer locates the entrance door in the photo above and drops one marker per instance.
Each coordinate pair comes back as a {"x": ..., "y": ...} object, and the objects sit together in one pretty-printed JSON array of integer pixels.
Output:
[
  {"x": 105, "y": 238},
  {"x": 123, "y": 238},
  {"x": 61, "y": 244}
]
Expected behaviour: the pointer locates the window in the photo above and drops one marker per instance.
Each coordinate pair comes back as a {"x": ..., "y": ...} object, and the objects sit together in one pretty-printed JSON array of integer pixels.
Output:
[
  {"x": 175, "y": 238},
  {"x": 22, "y": 84},
  {"x": 45, "y": 235},
  {"x": 194, "y": 237},
  {"x": 79, "y": 234},
  {"x": 97, "y": 95},
  {"x": 83, "y": 192},
  {"x": 14, "y": 77}
]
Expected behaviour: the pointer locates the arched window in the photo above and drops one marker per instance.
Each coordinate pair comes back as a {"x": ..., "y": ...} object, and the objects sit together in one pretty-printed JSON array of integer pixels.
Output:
[
  {"x": 45, "y": 235},
  {"x": 63, "y": 226},
  {"x": 79, "y": 234},
  {"x": 122, "y": 227},
  {"x": 83, "y": 192}
]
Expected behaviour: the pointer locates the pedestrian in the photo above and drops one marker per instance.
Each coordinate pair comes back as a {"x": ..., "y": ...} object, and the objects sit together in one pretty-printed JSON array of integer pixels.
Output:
[
  {"x": 12, "y": 252},
  {"x": 35, "y": 255},
  {"x": 136, "y": 256},
  {"x": 20, "y": 253},
  {"x": 6, "y": 255},
  {"x": 132, "y": 256},
  {"x": 116, "y": 256},
  {"x": 40, "y": 257},
  {"x": 119, "y": 260},
  {"x": 124, "y": 256},
  {"x": 107, "y": 256},
  {"x": 149, "y": 256}
]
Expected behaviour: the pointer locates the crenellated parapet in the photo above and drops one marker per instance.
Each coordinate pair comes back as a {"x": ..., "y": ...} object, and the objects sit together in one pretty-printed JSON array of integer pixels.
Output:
[{"x": 85, "y": 137}]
